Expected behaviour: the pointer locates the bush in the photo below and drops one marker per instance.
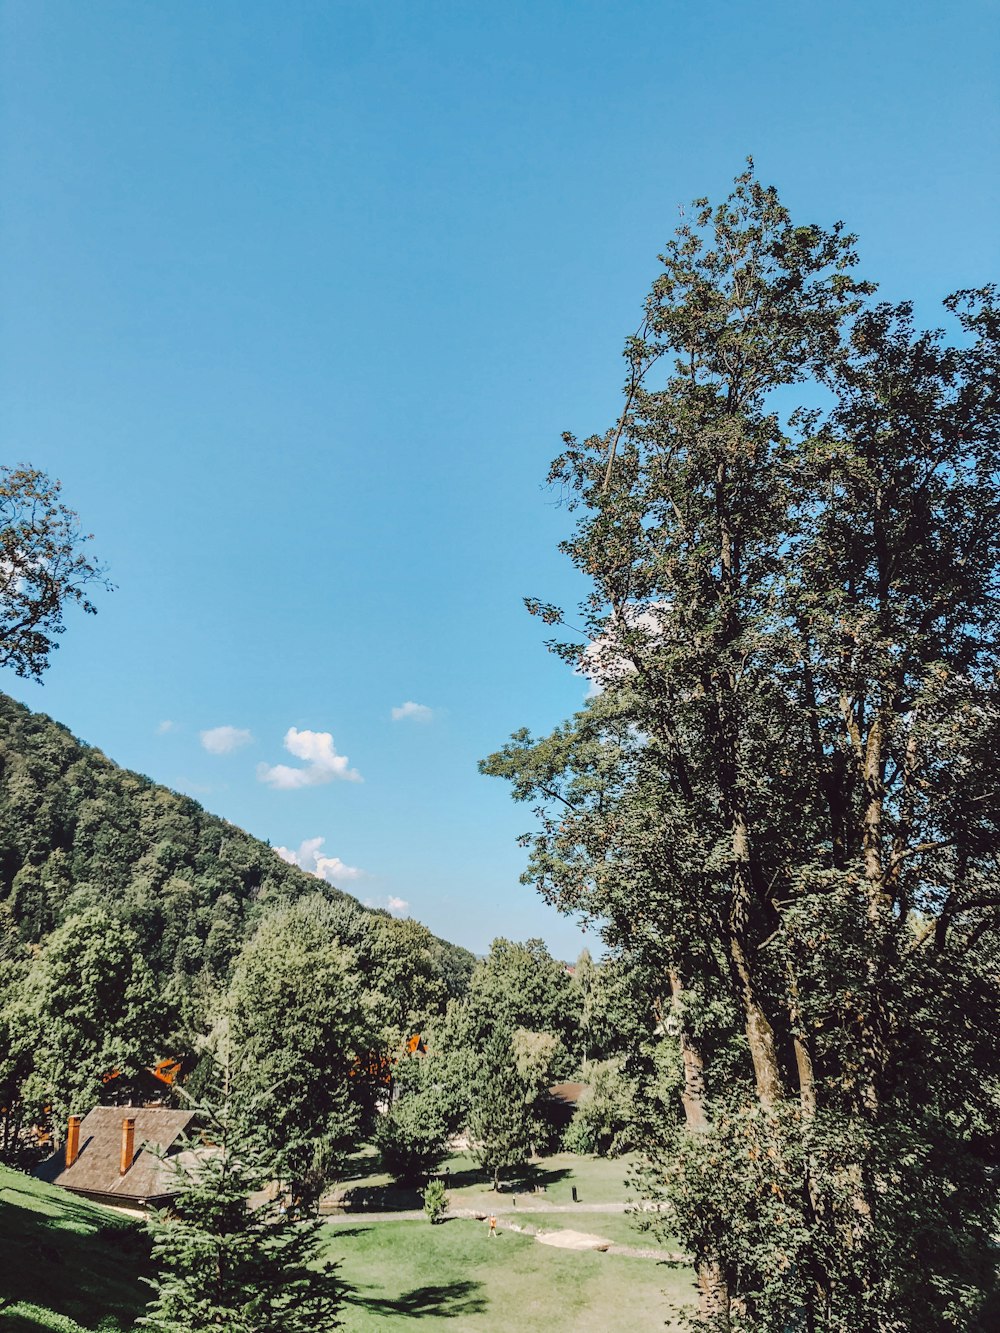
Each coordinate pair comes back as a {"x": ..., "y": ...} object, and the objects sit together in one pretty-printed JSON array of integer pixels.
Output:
[
  {"x": 412, "y": 1139},
  {"x": 601, "y": 1123},
  {"x": 435, "y": 1201}
]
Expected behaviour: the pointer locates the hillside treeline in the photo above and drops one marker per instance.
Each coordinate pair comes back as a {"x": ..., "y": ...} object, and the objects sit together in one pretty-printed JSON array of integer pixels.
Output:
[
  {"x": 189, "y": 884},
  {"x": 135, "y": 926},
  {"x": 125, "y": 909}
]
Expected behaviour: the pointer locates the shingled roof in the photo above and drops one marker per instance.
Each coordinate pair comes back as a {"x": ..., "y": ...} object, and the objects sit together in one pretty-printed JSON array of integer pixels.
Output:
[{"x": 96, "y": 1171}]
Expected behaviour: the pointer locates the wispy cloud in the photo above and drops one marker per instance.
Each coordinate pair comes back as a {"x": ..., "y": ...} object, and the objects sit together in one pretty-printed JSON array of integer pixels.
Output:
[
  {"x": 412, "y": 712},
  {"x": 223, "y": 740},
  {"x": 323, "y": 763},
  {"x": 166, "y": 726},
  {"x": 397, "y": 906},
  {"x": 310, "y": 858}
]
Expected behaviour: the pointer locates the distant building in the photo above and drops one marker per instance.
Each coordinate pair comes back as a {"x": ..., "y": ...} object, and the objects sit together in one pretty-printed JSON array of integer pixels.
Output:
[
  {"x": 121, "y": 1155},
  {"x": 561, "y": 1102}
]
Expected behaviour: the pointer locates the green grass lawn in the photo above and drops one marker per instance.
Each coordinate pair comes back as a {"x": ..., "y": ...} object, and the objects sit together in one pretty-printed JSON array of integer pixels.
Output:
[
  {"x": 454, "y": 1273},
  {"x": 67, "y": 1265},
  {"x": 597, "y": 1180}
]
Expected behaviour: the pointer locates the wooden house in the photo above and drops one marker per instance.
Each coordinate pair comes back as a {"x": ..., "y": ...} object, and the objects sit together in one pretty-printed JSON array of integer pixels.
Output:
[{"x": 121, "y": 1155}]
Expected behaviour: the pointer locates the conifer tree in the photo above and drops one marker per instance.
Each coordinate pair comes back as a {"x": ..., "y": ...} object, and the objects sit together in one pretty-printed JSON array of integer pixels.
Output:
[
  {"x": 225, "y": 1261},
  {"x": 500, "y": 1121}
]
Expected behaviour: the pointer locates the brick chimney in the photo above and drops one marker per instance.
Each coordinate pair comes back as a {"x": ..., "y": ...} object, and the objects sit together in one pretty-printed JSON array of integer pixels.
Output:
[
  {"x": 128, "y": 1143},
  {"x": 73, "y": 1139}
]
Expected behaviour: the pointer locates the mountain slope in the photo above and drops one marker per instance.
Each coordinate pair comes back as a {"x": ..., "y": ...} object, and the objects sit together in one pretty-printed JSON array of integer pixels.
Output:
[{"x": 190, "y": 884}]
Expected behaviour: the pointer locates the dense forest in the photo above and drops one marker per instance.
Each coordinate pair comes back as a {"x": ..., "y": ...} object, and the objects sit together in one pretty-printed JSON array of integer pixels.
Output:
[
  {"x": 75, "y": 828},
  {"x": 96, "y": 860},
  {"x": 136, "y": 926}
]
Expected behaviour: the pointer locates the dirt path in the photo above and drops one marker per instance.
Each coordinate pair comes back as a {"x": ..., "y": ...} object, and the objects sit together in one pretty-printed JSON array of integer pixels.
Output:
[{"x": 564, "y": 1239}]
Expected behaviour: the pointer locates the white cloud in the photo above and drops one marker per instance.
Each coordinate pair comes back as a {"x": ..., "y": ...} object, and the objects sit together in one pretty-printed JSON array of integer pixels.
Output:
[
  {"x": 415, "y": 712},
  {"x": 397, "y": 906},
  {"x": 607, "y": 658},
  {"x": 164, "y": 727},
  {"x": 323, "y": 763},
  {"x": 310, "y": 858},
  {"x": 223, "y": 740}
]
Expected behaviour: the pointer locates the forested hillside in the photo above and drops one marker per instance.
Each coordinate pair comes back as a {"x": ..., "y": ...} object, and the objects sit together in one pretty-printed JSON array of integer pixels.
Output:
[
  {"x": 124, "y": 909},
  {"x": 188, "y": 883}
]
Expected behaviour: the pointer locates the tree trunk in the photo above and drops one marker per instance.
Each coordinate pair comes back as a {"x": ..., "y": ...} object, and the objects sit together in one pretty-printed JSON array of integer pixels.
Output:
[
  {"x": 742, "y": 951},
  {"x": 693, "y": 1095},
  {"x": 713, "y": 1297},
  {"x": 713, "y": 1287}
]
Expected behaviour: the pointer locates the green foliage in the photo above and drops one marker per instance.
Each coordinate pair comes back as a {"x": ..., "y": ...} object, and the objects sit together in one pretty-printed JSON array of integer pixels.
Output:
[
  {"x": 401, "y": 959},
  {"x": 780, "y": 805},
  {"x": 412, "y": 1136},
  {"x": 44, "y": 567},
  {"x": 89, "y": 1007},
  {"x": 224, "y": 1262},
  {"x": 435, "y": 1201},
  {"x": 603, "y": 1122},
  {"x": 299, "y": 1019},
  {"x": 500, "y": 1124},
  {"x": 523, "y": 986}
]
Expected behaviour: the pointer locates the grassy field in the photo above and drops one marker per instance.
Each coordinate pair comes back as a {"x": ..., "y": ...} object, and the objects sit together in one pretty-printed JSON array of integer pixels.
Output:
[
  {"x": 546, "y": 1180},
  {"x": 67, "y": 1265},
  {"x": 454, "y": 1273}
]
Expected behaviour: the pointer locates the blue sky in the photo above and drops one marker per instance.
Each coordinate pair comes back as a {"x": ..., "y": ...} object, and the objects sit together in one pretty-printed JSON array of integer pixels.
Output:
[{"x": 297, "y": 300}]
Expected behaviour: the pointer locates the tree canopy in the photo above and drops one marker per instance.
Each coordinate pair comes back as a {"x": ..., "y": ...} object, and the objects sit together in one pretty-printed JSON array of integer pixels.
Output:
[
  {"x": 44, "y": 567},
  {"x": 780, "y": 801}
]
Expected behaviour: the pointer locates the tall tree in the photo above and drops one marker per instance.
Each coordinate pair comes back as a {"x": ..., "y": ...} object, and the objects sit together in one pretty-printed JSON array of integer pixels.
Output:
[
  {"x": 779, "y": 802},
  {"x": 299, "y": 1020},
  {"x": 500, "y": 1127},
  {"x": 44, "y": 567},
  {"x": 89, "y": 1007}
]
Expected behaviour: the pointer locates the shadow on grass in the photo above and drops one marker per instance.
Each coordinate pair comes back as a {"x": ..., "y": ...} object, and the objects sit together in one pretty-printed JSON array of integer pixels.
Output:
[
  {"x": 400, "y": 1198},
  {"x": 445, "y": 1300},
  {"x": 456, "y": 1180},
  {"x": 531, "y": 1177},
  {"x": 68, "y": 1265},
  {"x": 383, "y": 1199},
  {"x": 357, "y": 1168}
]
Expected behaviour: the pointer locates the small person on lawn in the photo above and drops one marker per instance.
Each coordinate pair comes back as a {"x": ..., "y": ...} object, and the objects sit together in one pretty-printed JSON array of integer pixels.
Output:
[{"x": 493, "y": 1226}]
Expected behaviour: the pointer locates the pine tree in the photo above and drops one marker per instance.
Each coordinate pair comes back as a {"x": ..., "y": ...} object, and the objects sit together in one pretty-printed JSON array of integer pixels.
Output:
[
  {"x": 500, "y": 1122},
  {"x": 227, "y": 1262}
]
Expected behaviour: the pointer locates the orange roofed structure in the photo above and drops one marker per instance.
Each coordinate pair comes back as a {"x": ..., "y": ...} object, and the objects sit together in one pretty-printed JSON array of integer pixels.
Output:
[{"x": 115, "y": 1155}]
